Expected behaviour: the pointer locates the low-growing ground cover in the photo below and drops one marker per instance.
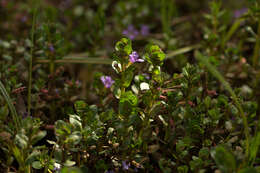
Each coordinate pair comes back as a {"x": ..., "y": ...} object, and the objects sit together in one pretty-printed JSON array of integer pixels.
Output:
[{"x": 129, "y": 86}]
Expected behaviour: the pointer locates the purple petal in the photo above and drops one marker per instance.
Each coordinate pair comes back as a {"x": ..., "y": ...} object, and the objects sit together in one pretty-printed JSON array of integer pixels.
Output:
[
  {"x": 107, "y": 81},
  {"x": 135, "y": 33},
  {"x": 131, "y": 36},
  {"x": 103, "y": 79},
  {"x": 51, "y": 48},
  {"x": 132, "y": 59},
  {"x": 125, "y": 165},
  {"x": 144, "y": 30},
  {"x": 146, "y": 76},
  {"x": 240, "y": 12},
  {"x": 131, "y": 28},
  {"x": 133, "y": 56},
  {"x": 24, "y": 19},
  {"x": 140, "y": 60},
  {"x": 130, "y": 32},
  {"x": 125, "y": 32}
]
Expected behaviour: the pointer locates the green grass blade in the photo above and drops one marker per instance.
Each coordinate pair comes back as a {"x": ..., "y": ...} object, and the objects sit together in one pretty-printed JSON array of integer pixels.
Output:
[
  {"x": 79, "y": 60},
  {"x": 254, "y": 147},
  {"x": 255, "y": 60},
  {"x": 181, "y": 51},
  {"x": 227, "y": 86},
  {"x": 15, "y": 117},
  {"x": 82, "y": 58},
  {"x": 231, "y": 31},
  {"x": 31, "y": 62}
]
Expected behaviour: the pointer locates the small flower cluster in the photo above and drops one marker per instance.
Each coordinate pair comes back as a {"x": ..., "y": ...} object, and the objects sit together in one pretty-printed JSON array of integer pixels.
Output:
[
  {"x": 134, "y": 57},
  {"x": 240, "y": 12},
  {"x": 125, "y": 165},
  {"x": 57, "y": 167},
  {"x": 132, "y": 32},
  {"x": 107, "y": 81}
]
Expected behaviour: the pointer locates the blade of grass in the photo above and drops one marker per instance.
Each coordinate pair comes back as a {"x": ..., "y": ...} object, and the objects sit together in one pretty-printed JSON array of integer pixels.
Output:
[
  {"x": 181, "y": 51},
  {"x": 257, "y": 47},
  {"x": 227, "y": 86},
  {"x": 15, "y": 117},
  {"x": 254, "y": 147},
  {"x": 81, "y": 60},
  {"x": 84, "y": 59},
  {"x": 231, "y": 31},
  {"x": 31, "y": 61}
]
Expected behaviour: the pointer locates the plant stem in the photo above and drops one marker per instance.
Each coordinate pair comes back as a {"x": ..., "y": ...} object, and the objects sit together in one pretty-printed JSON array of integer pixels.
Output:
[
  {"x": 31, "y": 62},
  {"x": 16, "y": 119},
  {"x": 231, "y": 31},
  {"x": 257, "y": 47}
]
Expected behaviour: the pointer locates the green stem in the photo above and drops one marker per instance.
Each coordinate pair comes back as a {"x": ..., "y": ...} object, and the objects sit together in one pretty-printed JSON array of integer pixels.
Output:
[
  {"x": 257, "y": 47},
  {"x": 231, "y": 31},
  {"x": 16, "y": 119},
  {"x": 31, "y": 62}
]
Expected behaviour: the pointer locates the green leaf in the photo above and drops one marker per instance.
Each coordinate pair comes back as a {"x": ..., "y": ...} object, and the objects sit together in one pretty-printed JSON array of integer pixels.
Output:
[
  {"x": 76, "y": 121},
  {"x": 117, "y": 90},
  {"x": 196, "y": 163},
  {"x": 130, "y": 97},
  {"x": 127, "y": 102},
  {"x": 254, "y": 147},
  {"x": 32, "y": 157},
  {"x": 204, "y": 153},
  {"x": 154, "y": 55},
  {"x": 124, "y": 45},
  {"x": 21, "y": 140},
  {"x": 40, "y": 135},
  {"x": 37, "y": 165},
  {"x": 183, "y": 169},
  {"x": 18, "y": 155},
  {"x": 69, "y": 163},
  {"x": 156, "y": 74},
  {"x": 74, "y": 138},
  {"x": 224, "y": 159},
  {"x": 62, "y": 128},
  {"x": 127, "y": 76},
  {"x": 81, "y": 105}
]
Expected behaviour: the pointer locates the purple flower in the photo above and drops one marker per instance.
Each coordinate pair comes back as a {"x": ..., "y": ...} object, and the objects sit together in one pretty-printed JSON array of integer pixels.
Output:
[
  {"x": 146, "y": 76},
  {"x": 134, "y": 57},
  {"x": 57, "y": 91},
  {"x": 145, "y": 30},
  {"x": 125, "y": 165},
  {"x": 24, "y": 19},
  {"x": 51, "y": 48},
  {"x": 107, "y": 81},
  {"x": 240, "y": 12},
  {"x": 131, "y": 32}
]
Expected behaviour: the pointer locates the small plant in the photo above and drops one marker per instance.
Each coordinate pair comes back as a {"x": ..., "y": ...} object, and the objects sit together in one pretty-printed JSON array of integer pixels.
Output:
[{"x": 180, "y": 94}]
